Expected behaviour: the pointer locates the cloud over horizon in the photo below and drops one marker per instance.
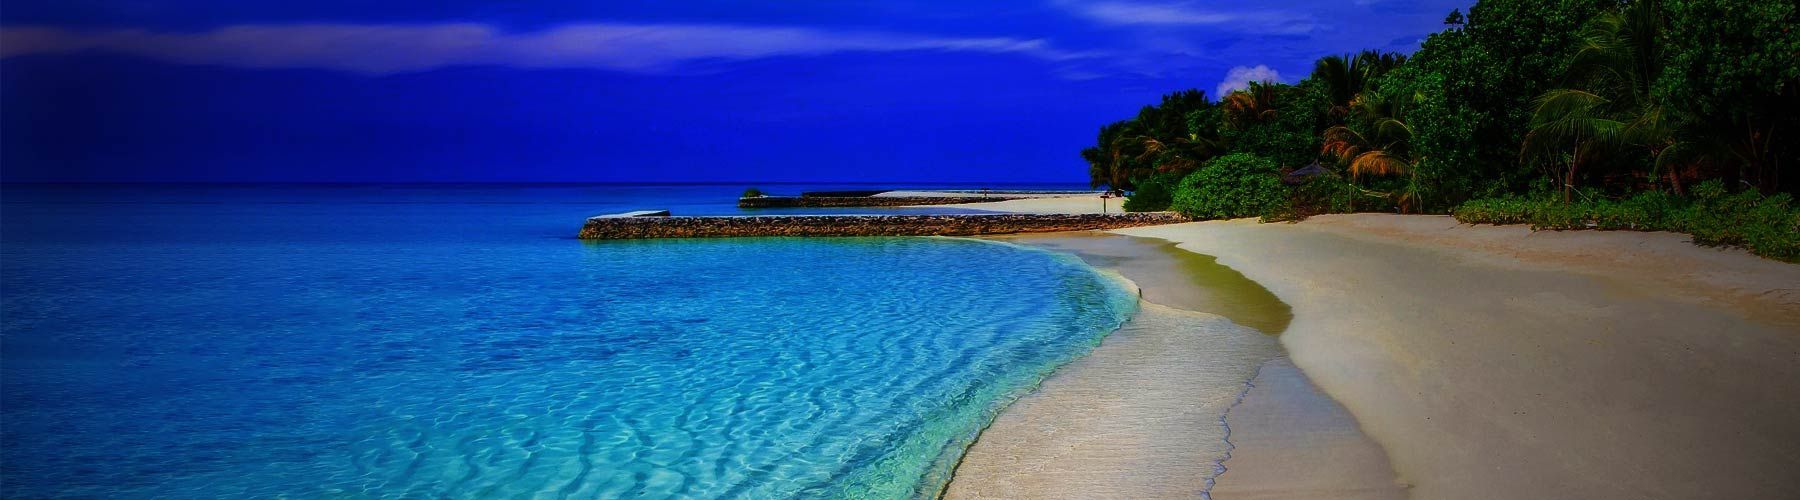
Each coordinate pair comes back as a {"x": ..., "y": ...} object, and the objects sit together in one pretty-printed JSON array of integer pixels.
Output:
[
  {"x": 382, "y": 49},
  {"x": 1239, "y": 78},
  {"x": 550, "y": 90}
]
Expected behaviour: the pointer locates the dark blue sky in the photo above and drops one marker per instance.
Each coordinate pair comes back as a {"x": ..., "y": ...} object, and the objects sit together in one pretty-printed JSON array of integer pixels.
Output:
[{"x": 456, "y": 91}]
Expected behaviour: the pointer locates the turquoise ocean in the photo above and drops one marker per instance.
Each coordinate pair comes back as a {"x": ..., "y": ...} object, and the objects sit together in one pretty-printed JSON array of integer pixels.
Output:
[{"x": 306, "y": 341}]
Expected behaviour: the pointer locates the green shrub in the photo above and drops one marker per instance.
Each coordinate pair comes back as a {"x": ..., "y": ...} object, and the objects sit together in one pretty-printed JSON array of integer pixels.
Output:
[
  {"x": 753, "y": 193},
  {"x": 1332, "y": 194},
  {"x": 1497, "y": 211},
  {"x": 1658, "y": 210},
  {"x": 1767, "y": 226},
  {"x": 1153, "y": 194},
  {"x": 1321, "y": 194},
  {"x": 1556, "y": 215},
  {"x": 1234, "y": 185},
  {"x": 1644, "y": 212}
]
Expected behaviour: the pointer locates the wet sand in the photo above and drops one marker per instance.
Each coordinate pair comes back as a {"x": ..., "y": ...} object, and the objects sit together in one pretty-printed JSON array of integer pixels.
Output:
[
  {"x": 1291, "y": 441},
  {"x": 1493, "y": 362},
  {"x": 1137, "y": 418},
  {"x": 1143, "y": 416},
  {"x": 1170, "y": 276}
]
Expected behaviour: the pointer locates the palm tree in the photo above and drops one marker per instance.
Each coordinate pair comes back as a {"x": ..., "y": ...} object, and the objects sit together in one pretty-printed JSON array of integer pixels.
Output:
[
  {"x": 1099, "y": 167},
  {"x": 1385, "y": 147},
  {"x": 1127, "y": 154},
  {"x": 1178, "y": 154},
  {"x": 1106, "y": 163},
  {"x": 1254, "y": 104},
  {"x": 1156, "y": 141},
  {"x": 1577, "y": 119},
  {"x": 1348, "y": 76},
  {"x": 1377, "y": 142},
  {"x": 1166, "y": 144},
  {"x": 1342, "y": 83},
  {"x": 1609, "y": 105}
]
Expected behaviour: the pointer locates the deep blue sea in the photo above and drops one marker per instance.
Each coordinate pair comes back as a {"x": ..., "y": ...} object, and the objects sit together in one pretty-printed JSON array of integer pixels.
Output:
[{"x": 171, "y": 341}]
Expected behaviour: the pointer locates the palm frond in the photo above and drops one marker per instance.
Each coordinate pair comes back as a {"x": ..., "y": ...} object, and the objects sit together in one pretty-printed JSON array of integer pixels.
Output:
[
  {"x": 1566, "y": 104},
  {"x": 1343, "y": 143},
  {"x": 1378, "y": 163},
  {"x": 1393, "y": 130}
]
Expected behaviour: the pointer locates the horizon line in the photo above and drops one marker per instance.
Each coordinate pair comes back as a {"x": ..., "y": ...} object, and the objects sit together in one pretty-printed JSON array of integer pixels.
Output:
[{"x": 544, "y": 183}]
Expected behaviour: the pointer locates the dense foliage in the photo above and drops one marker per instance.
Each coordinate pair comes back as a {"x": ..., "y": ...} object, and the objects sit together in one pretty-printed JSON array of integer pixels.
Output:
[
  {"x": 1234, "y": 185},
  {"x": 1565, "y": 114},
  {"x": 1153, "y": 194}
]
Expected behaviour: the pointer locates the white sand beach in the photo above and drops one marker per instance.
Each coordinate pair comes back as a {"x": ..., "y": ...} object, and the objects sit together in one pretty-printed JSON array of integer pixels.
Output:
[
  {"x": 1141, "y": 416},
  {"x": 1059, "y": 204},
  {"x": 1495, "y": 362},
  {"x": 1425, "y": 359}
]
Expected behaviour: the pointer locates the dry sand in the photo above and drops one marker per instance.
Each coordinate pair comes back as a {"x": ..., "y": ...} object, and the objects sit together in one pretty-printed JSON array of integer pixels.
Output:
[
  {"x": 1141, "y": 416},
  {"x": 1062, "y": 204},
  {"x": 1007, "y": 193},
  {"x": 1493, "y": 362}
]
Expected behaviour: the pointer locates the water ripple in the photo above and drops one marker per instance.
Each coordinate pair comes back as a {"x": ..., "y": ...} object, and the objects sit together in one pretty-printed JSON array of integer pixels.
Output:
[{"x": 746, "y": 368}]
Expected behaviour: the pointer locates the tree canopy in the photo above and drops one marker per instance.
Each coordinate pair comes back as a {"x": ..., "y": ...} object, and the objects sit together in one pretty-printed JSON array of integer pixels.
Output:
[
  {"x": 1577, "y": 101},
  {"x": 1514, "y": 96}
]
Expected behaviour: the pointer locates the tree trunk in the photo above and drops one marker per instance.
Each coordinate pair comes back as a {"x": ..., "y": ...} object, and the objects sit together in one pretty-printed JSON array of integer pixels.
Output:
[
  {"x": 1569, "y": 184},
  {"x": 1569, "y": 175}
]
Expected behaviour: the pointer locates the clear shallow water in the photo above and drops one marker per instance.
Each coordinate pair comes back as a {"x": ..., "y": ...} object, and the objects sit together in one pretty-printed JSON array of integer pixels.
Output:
[{"x": 414, "y": 341}]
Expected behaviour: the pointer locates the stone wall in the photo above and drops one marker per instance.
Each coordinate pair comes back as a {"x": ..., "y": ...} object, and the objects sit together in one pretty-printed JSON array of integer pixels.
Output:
[
  {"x": 602, "y": 228},
  {"x": 861, "y": 201}
]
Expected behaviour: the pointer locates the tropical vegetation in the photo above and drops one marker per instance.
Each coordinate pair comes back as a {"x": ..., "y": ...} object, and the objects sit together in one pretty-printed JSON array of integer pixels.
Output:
[{"x": 1679, "y": 115}]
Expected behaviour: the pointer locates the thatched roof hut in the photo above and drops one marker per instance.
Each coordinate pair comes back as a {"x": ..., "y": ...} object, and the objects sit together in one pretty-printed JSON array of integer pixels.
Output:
[{"x": 1302, "y": 174}]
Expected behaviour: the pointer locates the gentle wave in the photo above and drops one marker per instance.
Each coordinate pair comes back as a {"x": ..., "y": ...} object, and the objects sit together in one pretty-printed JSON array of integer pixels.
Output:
[{"x": 754, "y": 368}]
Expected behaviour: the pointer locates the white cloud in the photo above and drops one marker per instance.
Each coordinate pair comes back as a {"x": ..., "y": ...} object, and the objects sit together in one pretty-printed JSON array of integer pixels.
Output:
[
  {"x": 386, "y": 49},
  {"x": 1240, "y": 77},
  {"x": 1186, "y": 14}
]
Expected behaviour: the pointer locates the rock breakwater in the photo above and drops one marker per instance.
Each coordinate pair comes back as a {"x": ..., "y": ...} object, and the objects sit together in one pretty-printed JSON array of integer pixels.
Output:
[{"x": 614, "y": 228}]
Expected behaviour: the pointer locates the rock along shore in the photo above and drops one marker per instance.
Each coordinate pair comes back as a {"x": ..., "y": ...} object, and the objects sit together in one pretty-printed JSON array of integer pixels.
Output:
[{"x": 617, "y": 228}]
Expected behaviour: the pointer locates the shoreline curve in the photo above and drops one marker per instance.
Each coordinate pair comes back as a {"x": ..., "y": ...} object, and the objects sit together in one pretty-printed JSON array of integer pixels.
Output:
[
  {"x": 1599, "y": 364},
  {"x": 1144, "y": 414}
]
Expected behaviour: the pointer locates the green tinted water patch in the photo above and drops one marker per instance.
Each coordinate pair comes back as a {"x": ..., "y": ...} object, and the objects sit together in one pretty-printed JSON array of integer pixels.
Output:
[
  {"x": 1234, "y": 296},
  {"x": 1174, "y": 277}
]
